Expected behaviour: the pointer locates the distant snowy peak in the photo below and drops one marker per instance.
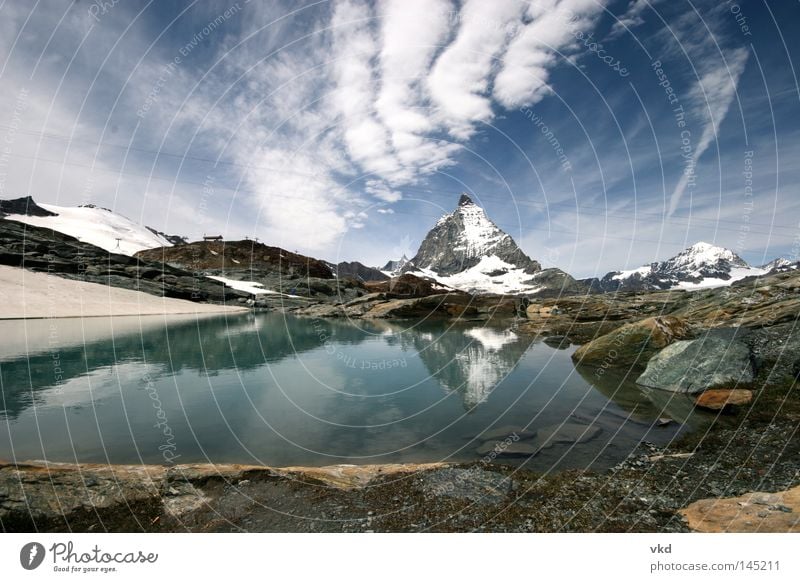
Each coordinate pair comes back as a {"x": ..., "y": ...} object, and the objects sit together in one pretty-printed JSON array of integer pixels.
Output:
[
  {"x": 395, "y": 267},
  {"x": 701, "y": 266},
  {"x": 703, "y": 259},
  {"x": 98, "y": 226},
  {"x": 780, "y": 265}
]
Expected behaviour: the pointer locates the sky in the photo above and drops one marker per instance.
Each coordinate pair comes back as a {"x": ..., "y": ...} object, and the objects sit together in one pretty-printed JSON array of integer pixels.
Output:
[{"x": 601, "y": 135}]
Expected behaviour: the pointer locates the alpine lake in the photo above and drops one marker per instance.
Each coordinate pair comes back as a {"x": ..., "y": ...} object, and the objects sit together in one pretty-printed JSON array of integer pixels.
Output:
[{"x": 273, "y": 389}]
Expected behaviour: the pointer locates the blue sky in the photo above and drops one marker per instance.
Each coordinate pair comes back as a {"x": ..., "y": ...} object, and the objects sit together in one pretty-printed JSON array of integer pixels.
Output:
[{"x": 344, "y": 129}]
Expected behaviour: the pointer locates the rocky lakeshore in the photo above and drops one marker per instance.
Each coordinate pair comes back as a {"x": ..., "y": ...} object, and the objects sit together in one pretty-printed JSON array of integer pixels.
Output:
[
  {"x": 742, "y": 479},
  {"x": 740, "y": 474},
  {"x": 731, "y": 351}
]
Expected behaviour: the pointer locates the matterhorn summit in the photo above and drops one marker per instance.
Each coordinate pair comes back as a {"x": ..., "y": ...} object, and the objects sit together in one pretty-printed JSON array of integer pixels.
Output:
[{"x": 466, "y": 250}]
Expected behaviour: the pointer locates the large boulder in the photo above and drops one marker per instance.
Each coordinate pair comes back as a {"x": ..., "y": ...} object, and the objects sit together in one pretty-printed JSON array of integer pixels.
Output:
[
  {"x": 633, "y": 344},
  {"x": 697, "y": 365}
]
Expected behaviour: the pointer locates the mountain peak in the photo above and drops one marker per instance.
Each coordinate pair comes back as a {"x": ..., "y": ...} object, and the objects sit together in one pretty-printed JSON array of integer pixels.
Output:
[
  {"x": 24, "y": 206},
  {"x": 465, "y": 200},
  {"x": 704, "y": 246},
  {"x": 704, "y": 254},
  {"x": 466, "y": 248},
  {"x": 395, "y": 267},
  {"x": 702, "y": 265}
]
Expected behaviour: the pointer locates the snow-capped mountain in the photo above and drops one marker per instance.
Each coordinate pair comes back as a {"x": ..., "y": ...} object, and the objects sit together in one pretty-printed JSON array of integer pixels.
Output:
[
  {"x": 701, "y": 266},
  {"x": 394, "y": 268},
  {"x": 780, "y": 265},
  {"x": 467, "y": 251},
  {"x": 98, "y": 226},
  {"x": 465, "y": 238}
]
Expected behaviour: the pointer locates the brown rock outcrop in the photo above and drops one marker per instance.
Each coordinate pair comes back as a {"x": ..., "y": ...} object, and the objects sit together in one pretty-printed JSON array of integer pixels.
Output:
[
  {"x": 720, "y": 398},
  {"x": 749, "y": 513}
]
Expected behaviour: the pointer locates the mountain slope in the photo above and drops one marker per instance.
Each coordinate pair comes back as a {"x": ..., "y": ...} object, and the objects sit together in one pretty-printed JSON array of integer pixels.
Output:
[
  {"x": 467, "y": 251},
  {"x": 46, "y": 250},
  {"x": 358, "y": 271},
  {"x": 97, "y": 226},
  {"x": 241, "y": 255},
  {"x": 701, "y": 266},
  {"x": 466, "y": 237}
]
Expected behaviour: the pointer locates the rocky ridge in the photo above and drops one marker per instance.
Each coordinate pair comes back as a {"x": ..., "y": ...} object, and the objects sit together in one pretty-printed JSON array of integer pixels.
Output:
[
  {"x": 48, "y": 251},
  {"x": 358, "y": 271},
  {"x": 23, "y": 206}
]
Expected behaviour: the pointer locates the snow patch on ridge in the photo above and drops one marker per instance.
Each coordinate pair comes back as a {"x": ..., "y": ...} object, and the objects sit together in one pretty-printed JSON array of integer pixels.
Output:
[
  {"x": 490, "y": 275},
  {"x": 98, "y": 227},
  {"x": 252, "y": 287},
  {"x": 480, "y": 235}
]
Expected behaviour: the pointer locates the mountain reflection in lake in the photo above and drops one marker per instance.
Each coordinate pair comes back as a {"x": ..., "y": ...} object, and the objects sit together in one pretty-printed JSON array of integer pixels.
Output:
[{"x": 279, "y": 390}]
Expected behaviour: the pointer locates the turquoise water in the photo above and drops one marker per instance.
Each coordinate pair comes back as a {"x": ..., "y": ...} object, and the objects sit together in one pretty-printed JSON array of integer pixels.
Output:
[{"x": 279, "y": 390}]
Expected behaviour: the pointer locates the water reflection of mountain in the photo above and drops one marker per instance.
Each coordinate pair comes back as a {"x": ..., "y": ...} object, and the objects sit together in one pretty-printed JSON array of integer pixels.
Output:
[
  {"x": 469, "y": 360},
  {"x": 206, "y": 345},
  {"x": 466, "y": 359}
]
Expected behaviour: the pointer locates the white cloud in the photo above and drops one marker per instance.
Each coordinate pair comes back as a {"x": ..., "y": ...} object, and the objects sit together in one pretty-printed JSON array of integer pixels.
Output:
[
  {"x": 459, "y": 82},
  {"x": 632, "y": 17},
  {"x": 711, "y": 96},
  {"x": 379, "y": 96},
  {"x": 382, "y": 192},
  {"x": 411, "y": 32},
  {"x": 524, "y": 77}
]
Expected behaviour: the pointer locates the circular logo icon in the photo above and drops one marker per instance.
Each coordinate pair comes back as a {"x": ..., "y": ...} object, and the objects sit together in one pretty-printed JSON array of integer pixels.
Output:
[{"x": 31, "y": 555}]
